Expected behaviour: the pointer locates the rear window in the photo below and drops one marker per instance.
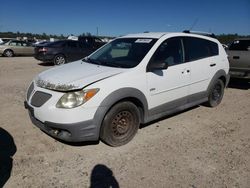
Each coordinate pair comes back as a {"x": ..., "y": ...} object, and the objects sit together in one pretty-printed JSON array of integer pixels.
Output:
[
  {"x": 240, "y": 45},
  {"x": 197, "y": 48}
]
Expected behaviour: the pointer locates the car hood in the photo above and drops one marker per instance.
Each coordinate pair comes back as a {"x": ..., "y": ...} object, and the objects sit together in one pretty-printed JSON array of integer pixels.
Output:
[{"x": 75, "y": 75}]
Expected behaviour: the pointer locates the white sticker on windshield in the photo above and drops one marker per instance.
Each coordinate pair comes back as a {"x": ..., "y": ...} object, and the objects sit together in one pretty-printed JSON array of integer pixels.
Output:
[{"x": 143, "y": 40}]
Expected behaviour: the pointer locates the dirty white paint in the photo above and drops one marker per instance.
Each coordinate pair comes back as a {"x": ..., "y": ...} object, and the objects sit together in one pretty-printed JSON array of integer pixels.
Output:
[{"x": 74, "y": 76}]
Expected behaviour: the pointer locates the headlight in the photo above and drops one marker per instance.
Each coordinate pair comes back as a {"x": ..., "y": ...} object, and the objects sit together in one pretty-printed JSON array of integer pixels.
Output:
[{"x": 74, "y": 99}]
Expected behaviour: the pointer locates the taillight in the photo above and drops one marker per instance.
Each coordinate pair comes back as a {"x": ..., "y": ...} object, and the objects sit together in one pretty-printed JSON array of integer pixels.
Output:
[{"x": 43, "y": 50}]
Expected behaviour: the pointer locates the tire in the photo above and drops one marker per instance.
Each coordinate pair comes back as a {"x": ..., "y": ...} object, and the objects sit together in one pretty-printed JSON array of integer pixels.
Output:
[
  {"x": 59, "y": 59},
  {"x": 120, "y": 124},
  {"x": 8, "y": 53},
  {"x": 216, "y": 94}
]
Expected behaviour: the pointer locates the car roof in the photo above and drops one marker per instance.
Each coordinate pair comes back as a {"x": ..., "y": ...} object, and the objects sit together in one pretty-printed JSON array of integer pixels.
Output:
[{"x": 157, "y": 35}]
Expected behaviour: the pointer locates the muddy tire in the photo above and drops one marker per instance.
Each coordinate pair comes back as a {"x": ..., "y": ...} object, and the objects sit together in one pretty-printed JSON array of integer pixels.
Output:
[
  {"x": 215, "y": 94},
  {"x": 120, "y": 124}
]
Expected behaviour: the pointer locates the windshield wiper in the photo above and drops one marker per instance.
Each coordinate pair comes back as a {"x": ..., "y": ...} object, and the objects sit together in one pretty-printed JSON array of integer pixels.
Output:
[
  {"x": 93, "y": 61},
  {"x": 98, "y": 62},
  {"x": 113, "y": 64}
]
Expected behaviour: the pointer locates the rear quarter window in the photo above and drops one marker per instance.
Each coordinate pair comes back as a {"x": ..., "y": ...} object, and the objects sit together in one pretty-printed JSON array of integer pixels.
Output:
[{"x": 197, "y": 48}]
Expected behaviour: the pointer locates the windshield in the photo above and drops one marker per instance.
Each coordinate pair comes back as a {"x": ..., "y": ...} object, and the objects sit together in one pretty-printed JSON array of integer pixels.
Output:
[{"x": 122, "y": 52}]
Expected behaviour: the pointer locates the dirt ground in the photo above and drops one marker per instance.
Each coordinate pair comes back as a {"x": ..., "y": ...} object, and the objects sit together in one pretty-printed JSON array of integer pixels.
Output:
[{"x": 201, "y": 147}]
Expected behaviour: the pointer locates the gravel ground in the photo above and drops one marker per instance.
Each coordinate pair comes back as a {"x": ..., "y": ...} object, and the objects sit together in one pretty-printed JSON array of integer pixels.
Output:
[{"x": 200, "y": 147}]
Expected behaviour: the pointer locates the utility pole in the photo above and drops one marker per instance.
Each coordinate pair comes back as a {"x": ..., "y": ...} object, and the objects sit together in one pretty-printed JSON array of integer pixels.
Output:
[{"x": 97, "y": 32}]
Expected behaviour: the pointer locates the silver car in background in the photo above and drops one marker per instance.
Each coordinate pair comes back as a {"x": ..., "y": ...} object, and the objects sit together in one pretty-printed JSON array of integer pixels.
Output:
[
  {"x": 16, "y": 47},
  {"x": 239, "y": 58}
]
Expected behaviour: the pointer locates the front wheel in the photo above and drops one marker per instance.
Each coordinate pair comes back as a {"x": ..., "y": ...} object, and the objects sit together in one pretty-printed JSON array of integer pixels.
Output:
[
  {"x": 8, "y": 53},
  {"x": 59, "y": 59},
  {"x": 120, "y": 124},
  {"x": 215, "y": 94}
]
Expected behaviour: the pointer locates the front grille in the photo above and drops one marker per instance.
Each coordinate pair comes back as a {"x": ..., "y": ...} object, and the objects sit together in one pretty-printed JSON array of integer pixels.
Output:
[
  {"x": 31, "y": 88},
  {"x": 39, "y": 98}
]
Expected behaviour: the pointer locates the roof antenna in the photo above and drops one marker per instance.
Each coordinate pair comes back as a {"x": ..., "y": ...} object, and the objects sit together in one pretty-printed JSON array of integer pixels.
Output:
[{"x": 194, "y": 24}]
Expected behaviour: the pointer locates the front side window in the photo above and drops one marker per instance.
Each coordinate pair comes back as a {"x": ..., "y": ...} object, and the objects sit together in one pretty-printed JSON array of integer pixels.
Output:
[
  {"x": 15, "y": 43},
  {"x": 122, "y": 52},
  {"x": 169, "y": 52},
  {"x": 197, "y": 48}
]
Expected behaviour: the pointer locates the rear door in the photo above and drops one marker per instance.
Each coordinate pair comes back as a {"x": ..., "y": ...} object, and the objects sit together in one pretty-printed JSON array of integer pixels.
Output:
[
  {"x": 202, "y": 56},
  {"x": 27, "y": 49}
]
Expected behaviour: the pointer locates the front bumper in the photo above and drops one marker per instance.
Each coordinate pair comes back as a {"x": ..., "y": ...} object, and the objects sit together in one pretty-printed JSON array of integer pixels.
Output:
[{"x": 74, "y": 132}]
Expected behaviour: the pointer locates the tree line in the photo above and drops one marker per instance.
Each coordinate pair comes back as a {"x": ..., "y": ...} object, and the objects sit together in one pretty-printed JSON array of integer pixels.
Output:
[
  {"x": 223, "y": 38},
  {"x": 228, "y": 38},
  {"x": 42, "y": 36}
]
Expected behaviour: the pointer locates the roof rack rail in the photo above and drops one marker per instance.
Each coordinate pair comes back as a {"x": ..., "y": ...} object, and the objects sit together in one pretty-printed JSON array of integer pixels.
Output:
[{"x": 200, "y": 33}]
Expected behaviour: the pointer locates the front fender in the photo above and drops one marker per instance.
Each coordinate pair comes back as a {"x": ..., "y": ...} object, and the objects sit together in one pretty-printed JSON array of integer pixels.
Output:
[{"x": 116, "y": 96}]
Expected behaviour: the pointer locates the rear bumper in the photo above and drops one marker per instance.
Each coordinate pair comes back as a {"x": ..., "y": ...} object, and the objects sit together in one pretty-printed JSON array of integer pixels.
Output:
[
  {"x": 44, "y": 57},
  {"x": 75, "y": 132}
]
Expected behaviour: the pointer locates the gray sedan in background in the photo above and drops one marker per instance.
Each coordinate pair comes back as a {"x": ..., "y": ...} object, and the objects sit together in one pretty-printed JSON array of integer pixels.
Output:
[{"x": 16, "y": 47}]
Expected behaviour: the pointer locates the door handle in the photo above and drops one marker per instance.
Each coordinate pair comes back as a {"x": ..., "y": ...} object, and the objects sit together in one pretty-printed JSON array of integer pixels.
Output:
[
  {"x": 236, "y": 57},
  {"x": 212, "y": 65}
]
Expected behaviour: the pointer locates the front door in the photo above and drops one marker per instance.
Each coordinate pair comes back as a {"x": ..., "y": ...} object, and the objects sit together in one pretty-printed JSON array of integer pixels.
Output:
[{"x": 168, "y": 88}]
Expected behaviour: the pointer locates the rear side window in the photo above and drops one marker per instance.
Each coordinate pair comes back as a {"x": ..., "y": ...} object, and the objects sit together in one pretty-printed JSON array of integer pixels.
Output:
[
  {"x": 197, "y": 48},
  {"x": 240, "y": 45},
  {"x": 72, "y": 44},
  {"x": 57, "y": 44}
]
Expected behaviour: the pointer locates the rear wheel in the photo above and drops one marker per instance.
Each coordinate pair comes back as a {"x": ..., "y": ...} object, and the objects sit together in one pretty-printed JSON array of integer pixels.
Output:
[
  {"x": 216, "y": 94},
  {"x": 59, "y": 59},
  {"x": 8, "y": 53},
  {"x": 120, "y": 124}
]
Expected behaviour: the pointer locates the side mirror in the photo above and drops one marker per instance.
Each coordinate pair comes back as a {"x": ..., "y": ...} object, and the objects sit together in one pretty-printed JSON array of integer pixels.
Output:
[{"x": 157, "y": 66}]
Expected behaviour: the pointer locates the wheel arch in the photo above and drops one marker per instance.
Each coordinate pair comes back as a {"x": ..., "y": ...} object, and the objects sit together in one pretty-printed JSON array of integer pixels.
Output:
[
  {"x": 59, "y": 53},
  {"x": 132, "y": 95},
  {"x": 222, "y": 75}
]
